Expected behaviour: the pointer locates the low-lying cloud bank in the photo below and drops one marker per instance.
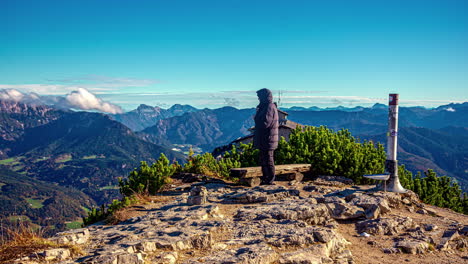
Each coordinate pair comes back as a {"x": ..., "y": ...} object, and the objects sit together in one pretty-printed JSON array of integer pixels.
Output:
[{"x": 80, "y": 99}]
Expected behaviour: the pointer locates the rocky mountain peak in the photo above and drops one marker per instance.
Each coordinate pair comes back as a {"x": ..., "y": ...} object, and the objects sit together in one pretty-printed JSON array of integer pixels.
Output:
[
  {"x": 143, "y": 108},
  {"x": 17, "y": 116},
  {"x": 13, "y": 107},
  {"x": 324, "y": 221},
  {"x": 181, "y": 108},
  {"x": 379, "y": 106}
]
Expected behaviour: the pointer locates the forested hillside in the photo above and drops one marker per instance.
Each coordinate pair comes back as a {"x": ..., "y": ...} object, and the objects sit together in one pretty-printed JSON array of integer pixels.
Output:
[
  {"x": 83, "y": 150},
  {"x": 206, "y": 128},
  {"x": 50, "y": 205}
]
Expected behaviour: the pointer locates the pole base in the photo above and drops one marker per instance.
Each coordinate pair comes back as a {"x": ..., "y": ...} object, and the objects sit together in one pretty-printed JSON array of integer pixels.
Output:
[
  {"x": 382, "y": 187},
  {"x": 393, "y": 183}
]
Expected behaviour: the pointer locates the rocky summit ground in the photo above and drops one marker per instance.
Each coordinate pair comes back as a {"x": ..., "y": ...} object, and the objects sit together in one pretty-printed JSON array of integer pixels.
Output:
[{"x": 324, "y": 221}]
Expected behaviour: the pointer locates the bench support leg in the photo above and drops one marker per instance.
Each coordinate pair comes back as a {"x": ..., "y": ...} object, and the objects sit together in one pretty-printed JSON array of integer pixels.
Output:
[{"x": 251, "y": 182}]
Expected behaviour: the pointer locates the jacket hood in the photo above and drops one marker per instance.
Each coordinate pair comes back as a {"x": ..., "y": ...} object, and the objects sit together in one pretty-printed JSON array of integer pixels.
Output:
[{"x": 265, "y": 96}]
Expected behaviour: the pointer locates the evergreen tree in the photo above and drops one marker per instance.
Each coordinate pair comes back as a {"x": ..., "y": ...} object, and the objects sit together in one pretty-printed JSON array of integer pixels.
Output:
[
  {"x": 147, "y": 179},
  {"x": 432, "y": 189}
]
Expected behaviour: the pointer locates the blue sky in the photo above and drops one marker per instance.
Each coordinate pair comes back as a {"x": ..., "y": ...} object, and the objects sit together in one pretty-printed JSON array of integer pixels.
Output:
[{"x": 215, "y": 53}]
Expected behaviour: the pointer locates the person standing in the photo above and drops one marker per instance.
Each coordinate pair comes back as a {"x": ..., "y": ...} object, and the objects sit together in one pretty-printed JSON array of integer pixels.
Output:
[{"x": 266, "y": 134}]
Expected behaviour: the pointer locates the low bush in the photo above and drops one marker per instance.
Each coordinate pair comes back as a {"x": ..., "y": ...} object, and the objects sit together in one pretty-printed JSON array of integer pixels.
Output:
[
  {"x": 148, "y": 179},
  {"x": 103, "y": 213},
  {"x": 440, "y": 191}
]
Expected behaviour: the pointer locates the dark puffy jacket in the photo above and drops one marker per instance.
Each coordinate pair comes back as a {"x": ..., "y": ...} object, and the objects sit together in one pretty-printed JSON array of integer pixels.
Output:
[{"x": 266, "y": 122}]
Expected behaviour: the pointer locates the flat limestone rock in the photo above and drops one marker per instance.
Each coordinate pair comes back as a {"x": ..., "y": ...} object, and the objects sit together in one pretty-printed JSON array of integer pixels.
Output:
[
  {"x": 56, "y": 254},
  {"x": 259, "y": 253},
  {"x": 335, "y": 181},
  {"x": 261, "y": 194},
  {"x": 385, "y": 226},
  {"x": 343, "y": 211},
  {"x": 306, "y": 210},
  {"x": 276, "y": 221},
  {"x": 316, "y": 254},
  {"x": 368, "y": 201},
  {"x": 74, "y": 237},
  {"x": 412, "y": 246}
]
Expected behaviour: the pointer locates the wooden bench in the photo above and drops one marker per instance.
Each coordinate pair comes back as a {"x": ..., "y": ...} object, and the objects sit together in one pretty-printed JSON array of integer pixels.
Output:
[{"x": 250, "y": 176}]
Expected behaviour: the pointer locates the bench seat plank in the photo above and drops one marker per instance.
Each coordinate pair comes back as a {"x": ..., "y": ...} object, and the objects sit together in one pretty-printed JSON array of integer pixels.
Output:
[{"x": 251, "y": 172}]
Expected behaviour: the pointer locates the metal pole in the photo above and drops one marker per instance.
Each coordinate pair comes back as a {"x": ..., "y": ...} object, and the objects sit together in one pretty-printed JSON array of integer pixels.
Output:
[{"x": 391, "y": 164}]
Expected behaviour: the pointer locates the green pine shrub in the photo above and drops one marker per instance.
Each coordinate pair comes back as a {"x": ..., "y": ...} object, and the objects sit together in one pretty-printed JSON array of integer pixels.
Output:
[
  {"x": 145, "y": 180},
  {"x": 440, "y": 191},
  {"x": 332, "y": 153},
  {"x": 148, "y": 179},
  {"x": 96, "y": 215},
  {"x": 329, "y": 153},
  {"x": 206, "y": 164}
]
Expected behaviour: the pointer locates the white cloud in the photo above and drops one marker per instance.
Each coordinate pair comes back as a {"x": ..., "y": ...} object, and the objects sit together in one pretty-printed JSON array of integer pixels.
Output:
[
  {"x": 93, "y": 83},
  {"x": 83, "y": 99}
]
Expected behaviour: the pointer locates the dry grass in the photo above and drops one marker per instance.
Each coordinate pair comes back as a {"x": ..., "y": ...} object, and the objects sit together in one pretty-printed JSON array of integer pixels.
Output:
[
  {"x": 119, "y": 216},
  {"x": 127, "y": 212},
  {"x": 23, "y": 241},
  {"x": 142, "y": 199},
  {"x": 140, "y": 207}
]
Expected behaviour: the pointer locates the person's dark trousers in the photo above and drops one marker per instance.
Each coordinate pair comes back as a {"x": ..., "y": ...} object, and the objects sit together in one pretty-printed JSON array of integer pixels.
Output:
[{"x": 268, "y": 166}]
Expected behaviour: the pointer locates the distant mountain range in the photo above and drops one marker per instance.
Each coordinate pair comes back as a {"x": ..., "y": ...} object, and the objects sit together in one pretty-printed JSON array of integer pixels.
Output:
[
  {"x": 428, "y": 138},
  {"x": 83, "y": 153},
  {"x": 339, "y": 108},
  {"x": 145, "y": 116},
  {"x": 206, "y": 128}
]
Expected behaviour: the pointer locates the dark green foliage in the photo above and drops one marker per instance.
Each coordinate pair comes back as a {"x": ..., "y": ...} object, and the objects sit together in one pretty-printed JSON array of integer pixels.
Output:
[
  {"x": 246, "y": 154},
  {"x": 60, "y": 204},
  {"x": 332, "y": 153},
  {"x": 200, "y": 164},
  {"x": 432, "y": 189},
  {"x": 148, "y": 179},
  {"x": 329, "y": 152},
  {"x": 208, "y": 165}
]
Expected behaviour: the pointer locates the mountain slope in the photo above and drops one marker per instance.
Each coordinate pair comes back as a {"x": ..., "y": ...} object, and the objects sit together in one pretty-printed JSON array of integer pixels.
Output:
[
  {"x": 86, "y": 151},
  {"x": 22, "y": 197},
  {"x": 206, "y": 128},
  {"x": 16, "y": 117},
  {"x": 84, "y": 134},
  {"x": 145, "y": 116}
]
